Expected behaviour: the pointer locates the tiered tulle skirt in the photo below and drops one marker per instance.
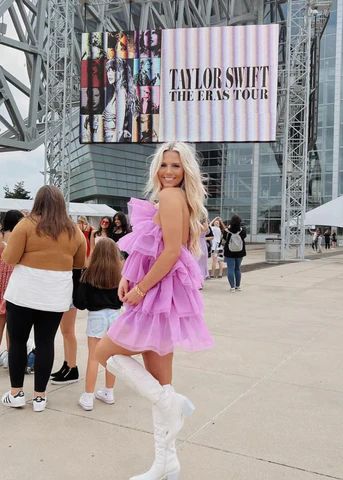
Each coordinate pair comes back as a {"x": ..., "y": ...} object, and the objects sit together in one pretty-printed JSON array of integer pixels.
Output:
[{"x": 171, "y": 314}]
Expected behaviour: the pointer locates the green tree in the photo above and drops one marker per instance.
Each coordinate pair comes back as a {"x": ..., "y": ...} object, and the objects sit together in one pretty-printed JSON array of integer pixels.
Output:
[{"x": 18, "y": 191}]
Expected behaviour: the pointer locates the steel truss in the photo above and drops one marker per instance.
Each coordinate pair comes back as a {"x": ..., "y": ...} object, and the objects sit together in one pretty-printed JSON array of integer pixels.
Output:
[
  {"x": 51, "y": 38},
  {"x": 61, "y": 93},
  {"x": 29, "y": 24},
  {"x": 42, "y": 29},
  {"x": 305, "y": 21},
  {"x": 107, "y": 15}
]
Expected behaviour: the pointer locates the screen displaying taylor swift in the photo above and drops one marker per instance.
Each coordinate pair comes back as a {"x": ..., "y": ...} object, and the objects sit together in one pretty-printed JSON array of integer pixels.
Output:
[
  {"x": 209, "y": 84},
  {"x": 120, "y": 87}
]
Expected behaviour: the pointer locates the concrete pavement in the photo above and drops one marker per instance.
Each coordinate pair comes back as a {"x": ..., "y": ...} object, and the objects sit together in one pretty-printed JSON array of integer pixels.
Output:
[{"x": 269, "y": 396}]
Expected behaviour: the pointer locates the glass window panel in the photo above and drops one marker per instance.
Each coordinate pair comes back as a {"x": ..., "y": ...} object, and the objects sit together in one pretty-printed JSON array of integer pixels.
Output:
[
  {"x": 328, "y": 137},
  {"x": 329, "y": 45},
  {"x": 328, "y": 185},
  {"x": 330, "y": 115},
  {"x": 329, "y": 93},
  {"x": 268, "y": 226}
]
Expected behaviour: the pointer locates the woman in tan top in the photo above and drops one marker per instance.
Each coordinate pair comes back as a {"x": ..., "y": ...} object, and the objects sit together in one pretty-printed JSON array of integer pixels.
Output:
[{"x": 44, "y": 248}]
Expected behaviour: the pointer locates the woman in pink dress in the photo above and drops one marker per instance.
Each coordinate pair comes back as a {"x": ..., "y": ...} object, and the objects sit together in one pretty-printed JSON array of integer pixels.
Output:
[
  {"x": 160, "y": 288},
  {"x": 203, "y": 259}
]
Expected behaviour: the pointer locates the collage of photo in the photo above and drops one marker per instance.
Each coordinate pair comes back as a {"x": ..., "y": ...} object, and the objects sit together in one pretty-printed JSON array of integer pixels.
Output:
[{"x": 120, "y": 87}]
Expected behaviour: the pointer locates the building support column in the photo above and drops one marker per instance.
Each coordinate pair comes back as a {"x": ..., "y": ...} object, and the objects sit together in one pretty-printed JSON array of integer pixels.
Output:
[
  {"x": 256, "y": 155},
  {"x": 337, "y": 107},
  {"x": 254, "y": 191}
]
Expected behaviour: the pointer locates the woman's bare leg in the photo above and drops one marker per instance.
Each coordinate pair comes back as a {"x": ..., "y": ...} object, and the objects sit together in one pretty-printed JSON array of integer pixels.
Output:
[
  {"x": 69, "y": 339},
  {"x": 214, "y": 264},
  {"x": 92, "y": 365},
  {"x": 110, "y": 379},
  {"x": 160, "y": 367},
  {"x": 103, "y": 352},
  {"x": 106, "y": 349},
  {"x": 221, "y": 265}
]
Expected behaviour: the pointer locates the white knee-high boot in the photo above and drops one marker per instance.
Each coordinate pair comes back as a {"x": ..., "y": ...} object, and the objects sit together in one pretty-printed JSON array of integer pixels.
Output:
[
  {"x": 166, "y": 465},
  {"x": 173, "y": 406}
]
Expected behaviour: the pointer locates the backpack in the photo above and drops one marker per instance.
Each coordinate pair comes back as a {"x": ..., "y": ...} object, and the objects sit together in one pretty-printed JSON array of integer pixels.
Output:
[{"x": 235, "y": 242}]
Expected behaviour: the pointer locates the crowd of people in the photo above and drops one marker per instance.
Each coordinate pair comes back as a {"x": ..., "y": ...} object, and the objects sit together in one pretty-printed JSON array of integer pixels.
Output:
[
  {"x": 140, "y": 287},
  {"x": 330, "y": 239},
  {"x": 223, "y": 245}
]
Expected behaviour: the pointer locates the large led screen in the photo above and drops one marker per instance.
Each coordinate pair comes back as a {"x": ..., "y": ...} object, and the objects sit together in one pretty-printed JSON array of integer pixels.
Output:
[{"x": 216, "y": 84}]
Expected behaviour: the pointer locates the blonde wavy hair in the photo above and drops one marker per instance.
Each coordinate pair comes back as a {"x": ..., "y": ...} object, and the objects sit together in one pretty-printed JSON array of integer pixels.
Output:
[{"x": 192, "y": 185}]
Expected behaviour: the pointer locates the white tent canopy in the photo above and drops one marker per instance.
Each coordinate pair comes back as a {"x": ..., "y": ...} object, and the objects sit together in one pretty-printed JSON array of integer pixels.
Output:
[
  {"x": 329, "y": 214},
  {"x": 75, "y": 209}
]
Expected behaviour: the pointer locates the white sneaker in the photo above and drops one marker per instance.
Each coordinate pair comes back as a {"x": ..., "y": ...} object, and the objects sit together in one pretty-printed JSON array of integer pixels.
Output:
[
  {"x": 105, "y": 395},
  {"x": 9, "y": 400},
  {"x": 86, "y": 401},
  {"x": 39, "y": 403},
  {"x": 232, "y": 290},
  {"x": 238, "y": 289}
]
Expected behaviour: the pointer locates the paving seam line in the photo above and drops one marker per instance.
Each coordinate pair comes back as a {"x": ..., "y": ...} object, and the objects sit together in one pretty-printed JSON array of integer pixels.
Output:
[
  {"x": 253, "y": 386},
  {"x": 264, "y": 460}
]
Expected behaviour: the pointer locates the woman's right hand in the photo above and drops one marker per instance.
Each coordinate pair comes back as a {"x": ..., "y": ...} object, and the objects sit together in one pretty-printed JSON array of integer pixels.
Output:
[{"x": 123, "y": 288}]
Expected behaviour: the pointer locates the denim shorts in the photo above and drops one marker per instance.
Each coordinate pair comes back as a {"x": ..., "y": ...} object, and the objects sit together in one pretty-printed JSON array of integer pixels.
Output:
[
  {"x": 219, "y": 252},
  {"x": 100, "y": 321}
]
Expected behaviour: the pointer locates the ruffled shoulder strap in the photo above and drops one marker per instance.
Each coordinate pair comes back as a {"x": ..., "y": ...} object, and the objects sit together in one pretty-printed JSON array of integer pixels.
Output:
[
  {"x": 146, "y": 235},
  {"x": 140, "y": 210}
]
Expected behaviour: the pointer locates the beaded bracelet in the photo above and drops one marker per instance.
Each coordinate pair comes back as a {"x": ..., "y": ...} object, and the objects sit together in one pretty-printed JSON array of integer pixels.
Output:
[{"x": 139, "y": 291}]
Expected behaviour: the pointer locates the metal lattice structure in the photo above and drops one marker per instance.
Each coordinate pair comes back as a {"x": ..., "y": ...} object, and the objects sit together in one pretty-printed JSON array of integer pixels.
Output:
[
  {"x": 60, "y": 93},
  {"x": 47, "y": 33},
  {"x": 25, "y": 42},
  {"x": 304, "y": 23},
  {"x": 97, "y": 15}
]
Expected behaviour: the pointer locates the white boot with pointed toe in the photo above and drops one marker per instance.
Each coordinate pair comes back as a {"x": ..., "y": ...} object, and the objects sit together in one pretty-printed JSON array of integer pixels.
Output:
[
  {"x": 166, "y": 464},
  {"x": 169, "y": 410},
  {"x": 173, "y": 406}
]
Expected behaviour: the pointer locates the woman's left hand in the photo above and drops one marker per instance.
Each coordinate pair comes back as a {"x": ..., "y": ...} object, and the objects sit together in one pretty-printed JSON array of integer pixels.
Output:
[{"x": 132, "y": 297}]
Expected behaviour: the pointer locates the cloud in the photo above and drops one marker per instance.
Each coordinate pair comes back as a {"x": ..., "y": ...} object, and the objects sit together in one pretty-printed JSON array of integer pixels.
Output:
[{"x": 18, "y": 166}]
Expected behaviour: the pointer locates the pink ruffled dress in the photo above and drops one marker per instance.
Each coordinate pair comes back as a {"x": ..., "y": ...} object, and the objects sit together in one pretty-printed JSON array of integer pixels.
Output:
[{"x": 171, "y": 314}]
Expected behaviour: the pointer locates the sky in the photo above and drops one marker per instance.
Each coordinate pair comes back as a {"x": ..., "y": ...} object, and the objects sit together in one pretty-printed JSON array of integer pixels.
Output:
[{"x": 18, "y": 166}]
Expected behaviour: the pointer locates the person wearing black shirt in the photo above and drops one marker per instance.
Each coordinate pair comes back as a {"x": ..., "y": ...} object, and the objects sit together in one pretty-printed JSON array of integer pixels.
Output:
[
  {"x": 98, "y": 293},
  {"x": 234, "y": 251},
  {"x": 120, "y": 229},
  {"x": 120, "y": 226}
]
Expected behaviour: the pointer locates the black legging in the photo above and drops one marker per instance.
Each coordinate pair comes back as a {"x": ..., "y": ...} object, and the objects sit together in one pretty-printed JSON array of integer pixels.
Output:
[{"x": 19, "y": 323}]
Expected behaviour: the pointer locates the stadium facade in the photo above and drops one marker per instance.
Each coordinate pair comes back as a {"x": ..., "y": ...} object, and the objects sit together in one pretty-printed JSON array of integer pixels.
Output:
[{"x": 242, "y": 178}]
